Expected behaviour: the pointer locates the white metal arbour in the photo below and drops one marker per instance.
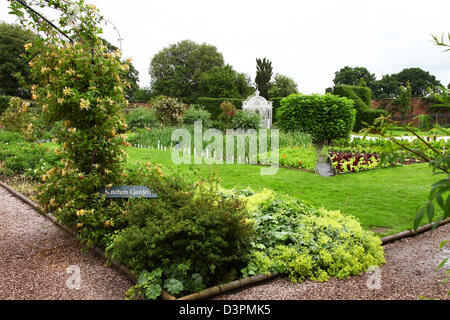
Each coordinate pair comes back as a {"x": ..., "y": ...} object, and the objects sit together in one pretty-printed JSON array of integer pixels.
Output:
[{"x": 260, "y": 105}]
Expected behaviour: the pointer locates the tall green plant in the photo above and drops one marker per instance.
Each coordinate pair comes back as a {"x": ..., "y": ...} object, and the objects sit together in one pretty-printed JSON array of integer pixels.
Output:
[{"x": 264, "y": 72}]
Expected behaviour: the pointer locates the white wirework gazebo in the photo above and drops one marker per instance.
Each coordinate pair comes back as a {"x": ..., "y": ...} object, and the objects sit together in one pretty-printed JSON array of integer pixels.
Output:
[{"x": 260, "y": 105}]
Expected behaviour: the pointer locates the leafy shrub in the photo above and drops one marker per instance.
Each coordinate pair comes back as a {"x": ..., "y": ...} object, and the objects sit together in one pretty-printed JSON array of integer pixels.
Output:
[
  {"x": 228, "y": 113},
  {"x": 326, "y": 117},
  {"x": 20, "y": 157},
  {"x": 19, "y": 118},
  {"x": 189, "y": 225},
  {"x": 197, "y": 113},
  {"x": 303, "y": 242},
  {"x": 168, "y": 110},
  {"x": 212, "y": 105},
  {"x": 246, "y": 120},
  {"x": 362, "y": 97},
  {"x": 4, "y": 103},
  {"x": 142, "y": 118}
]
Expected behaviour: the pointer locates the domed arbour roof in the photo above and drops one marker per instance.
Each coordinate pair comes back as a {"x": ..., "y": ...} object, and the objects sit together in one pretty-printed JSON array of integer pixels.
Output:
[
  {"x": 256, "y": 101},
  {"x": 259, "y": 104}
]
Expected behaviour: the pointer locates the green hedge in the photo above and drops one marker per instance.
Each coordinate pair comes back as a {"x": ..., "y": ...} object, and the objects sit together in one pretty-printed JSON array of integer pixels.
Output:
[
  {"x": 4, "y": 102},
  {"x": 362, "y": 97},
  {"x": 324, "y": 117}
]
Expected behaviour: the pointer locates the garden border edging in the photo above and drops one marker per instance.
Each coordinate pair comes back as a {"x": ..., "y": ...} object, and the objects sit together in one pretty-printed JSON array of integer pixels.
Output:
[{"x": 212, "y": 291}]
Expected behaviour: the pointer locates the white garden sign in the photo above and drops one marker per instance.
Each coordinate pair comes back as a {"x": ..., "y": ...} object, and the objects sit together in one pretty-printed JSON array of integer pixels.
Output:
[{"x": 259, "y": 104}]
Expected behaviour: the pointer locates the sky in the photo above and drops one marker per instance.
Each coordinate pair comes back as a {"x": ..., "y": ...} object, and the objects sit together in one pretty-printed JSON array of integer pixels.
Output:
[{"x": 307, "y": 41}]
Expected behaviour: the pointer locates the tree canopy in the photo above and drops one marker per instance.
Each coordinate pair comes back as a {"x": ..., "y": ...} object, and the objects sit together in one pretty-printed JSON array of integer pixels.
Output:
[
  {"x": 419, "y": 80},
  {"x": 224, "y": 82},
  {"x": 12, "y": 41},
  {"x": 282, "y": 86},
  {"x": 176, "y": 70},
  {"x": 352, "y": 76}
]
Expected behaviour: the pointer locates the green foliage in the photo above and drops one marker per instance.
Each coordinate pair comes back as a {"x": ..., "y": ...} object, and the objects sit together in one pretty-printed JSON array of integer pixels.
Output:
[
  {"x": 246, "y": 120},
  {"x": 188, "y": 224},
  {"x": 386, "y": 88},
  {"x": 264, "y": 72},
  {"x": 141, "y": 118},
  {"x": 404, "y": 100},
  {"x": 4, "y": 103},
  {"x": 197, "y": 113},
  {"x": 19, "y": 118},
  {"x": 20, "y": 157},
  {"x": 303, "y": 242},
  {"x": 12, "y": 62},
  {"x": 141, "y": 95},
  {"x": 224, "y": 82},
  {"x": 227, "y": 115},
  {"x": 300, "y": 157},
  {"x": 282, "y": 86},
  {"x": 168, "y": 110},
  {"x": 419, "y": 80},
  {"x": 353, "y": 77},
  {"x": 212, "y": 105},
  {"x": 362, "y": 98},
  {"x": 175, "y": 71},
  {"x": 326, "y": 117}
]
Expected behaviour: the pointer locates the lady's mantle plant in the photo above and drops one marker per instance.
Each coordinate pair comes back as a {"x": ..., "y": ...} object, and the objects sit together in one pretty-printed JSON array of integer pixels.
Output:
[{"x": 77, "y": 82}]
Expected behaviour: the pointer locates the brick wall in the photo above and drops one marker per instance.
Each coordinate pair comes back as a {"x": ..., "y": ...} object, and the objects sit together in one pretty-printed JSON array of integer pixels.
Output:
[{"x": 419, "y": 106}]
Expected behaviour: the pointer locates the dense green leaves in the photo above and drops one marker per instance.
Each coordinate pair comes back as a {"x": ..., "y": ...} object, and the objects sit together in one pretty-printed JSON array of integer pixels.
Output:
[
  {"x": 176, "y": 70},
  {"x": 326, "y": 118},
  {"x": 264, "y": 72},
  {"x": 224, "y": 82},
  {"x": 12, "y": 61}
]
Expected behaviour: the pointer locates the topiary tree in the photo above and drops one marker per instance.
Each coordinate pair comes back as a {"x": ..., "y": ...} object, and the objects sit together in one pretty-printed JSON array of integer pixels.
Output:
[
  {"x": 325, "y": 117},
  {"x": 361, "y": 95}
]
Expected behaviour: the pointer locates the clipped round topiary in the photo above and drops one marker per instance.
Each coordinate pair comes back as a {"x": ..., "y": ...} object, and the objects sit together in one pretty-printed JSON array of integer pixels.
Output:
[{"x": 325, "y": 117}]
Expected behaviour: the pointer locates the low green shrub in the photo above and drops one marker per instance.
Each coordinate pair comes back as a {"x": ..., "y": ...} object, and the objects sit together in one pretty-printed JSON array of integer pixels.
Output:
[
  {"x": 189, "y": 225},
  {"x": 212, "y": 105},
  {"x": 198, "y": 113},
  {"x": 168, "y": 110},
  {"x": 141, "y": 118},
  {"x": 303, "y": 242},
  {"x": 324, "y": 117},
  {"x": 246, "y": 120},
  {"x": 18, "y": 157}
]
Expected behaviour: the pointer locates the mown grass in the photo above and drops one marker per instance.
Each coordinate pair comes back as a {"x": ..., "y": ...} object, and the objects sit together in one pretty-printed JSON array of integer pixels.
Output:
[{"x": 383, "y": 200}]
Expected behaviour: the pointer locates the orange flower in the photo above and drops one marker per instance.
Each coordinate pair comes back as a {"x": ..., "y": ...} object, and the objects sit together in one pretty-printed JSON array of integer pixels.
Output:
[{"x": 284, "y": 156}]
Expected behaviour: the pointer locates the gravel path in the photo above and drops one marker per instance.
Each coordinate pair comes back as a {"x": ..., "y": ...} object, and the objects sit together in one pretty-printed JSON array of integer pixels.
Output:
[
  {"x": 39, "y": 261},
  {"x": 409, "y": 272}
]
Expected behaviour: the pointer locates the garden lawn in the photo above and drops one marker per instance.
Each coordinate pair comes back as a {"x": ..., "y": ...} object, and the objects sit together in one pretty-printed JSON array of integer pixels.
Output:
[{"x": 384, "y": 200}]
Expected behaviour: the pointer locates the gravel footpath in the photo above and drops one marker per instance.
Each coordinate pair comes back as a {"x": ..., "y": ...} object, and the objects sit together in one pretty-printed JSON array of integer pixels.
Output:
[
  {"x": 39, "y": 261},
  {"x": 409, "y": 272}
]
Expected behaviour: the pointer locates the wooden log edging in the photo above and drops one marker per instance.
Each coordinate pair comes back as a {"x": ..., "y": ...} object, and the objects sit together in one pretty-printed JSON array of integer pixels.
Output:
[{"x": 212, "y": 291}]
